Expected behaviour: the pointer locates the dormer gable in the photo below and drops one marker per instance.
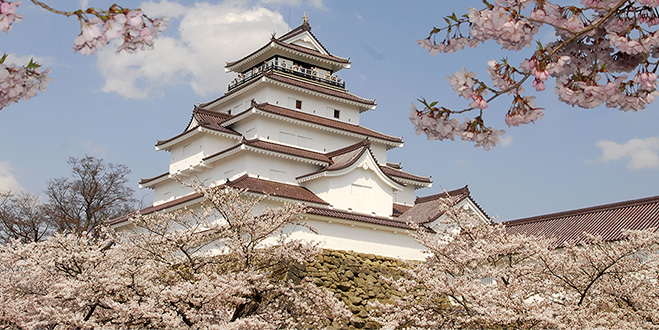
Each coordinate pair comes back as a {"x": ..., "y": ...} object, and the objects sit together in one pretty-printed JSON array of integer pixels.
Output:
[
  {"x": 298, "y": 45},
  {"x": 302, "y": 36}
]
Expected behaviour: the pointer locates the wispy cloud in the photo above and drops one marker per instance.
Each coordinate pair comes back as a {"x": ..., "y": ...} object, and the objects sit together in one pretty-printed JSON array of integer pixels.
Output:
[
  {"x": 506, "y": 140},
  {"x": 93, "y": 148},
  {"x": 639, "y": 153},
  {"x": 7, "y": 179}
]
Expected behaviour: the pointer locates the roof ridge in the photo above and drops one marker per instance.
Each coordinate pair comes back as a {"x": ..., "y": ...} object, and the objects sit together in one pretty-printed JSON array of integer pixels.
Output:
[
  {"x": 347, "y": 149},
  {"x": 444, "y": 194},
  {"x": 324, "y": 121},
  {"x": 398, "y": 170},
  {"x": 584, "y": 210},
  {"x": 305, "y": 26},
  {"x": 275, "y": 74},
  {"x": 253, "y": 143}
]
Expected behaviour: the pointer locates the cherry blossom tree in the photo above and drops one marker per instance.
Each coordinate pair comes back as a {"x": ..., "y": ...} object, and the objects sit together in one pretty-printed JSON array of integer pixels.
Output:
[
  {"x": 479, "y": 276},
  {"x": 605, "y": 53},
  {"x": 217, "y": 266},
  {"x": 98, "y": 28}
]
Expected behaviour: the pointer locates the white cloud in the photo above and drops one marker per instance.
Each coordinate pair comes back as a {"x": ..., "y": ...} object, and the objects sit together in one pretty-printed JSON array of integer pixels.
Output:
[
  {"x": 641, "y": 153},
  {"x": 209, "y": 35},
  {"x": 505, "y": 140},
  {"x": 7, "y": 179}
]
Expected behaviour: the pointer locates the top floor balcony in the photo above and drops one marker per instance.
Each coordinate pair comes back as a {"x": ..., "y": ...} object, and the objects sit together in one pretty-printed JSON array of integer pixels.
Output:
[{"x": 291, "y": 67}]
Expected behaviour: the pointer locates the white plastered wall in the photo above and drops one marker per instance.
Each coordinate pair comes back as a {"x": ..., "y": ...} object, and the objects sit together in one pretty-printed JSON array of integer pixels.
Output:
[
  {"x": 191, "y": 151},
  {"x": 406, "y": 196},
  {"x": 360, "y": 191}
]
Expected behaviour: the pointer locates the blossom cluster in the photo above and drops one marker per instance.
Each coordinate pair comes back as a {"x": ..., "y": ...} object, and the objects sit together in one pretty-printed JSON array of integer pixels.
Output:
[
  {"x": 21, "y": 82},
  {"x": 98, "y": 28},
  {"x": 480, "y": 274},
  {"x": 8, "y": 14},
  {"x": 438, "y": 127},
  {"x": 133, "y": 27},
  {"x": 217, "y": 265},
  {"x": 598, "y": 46}
]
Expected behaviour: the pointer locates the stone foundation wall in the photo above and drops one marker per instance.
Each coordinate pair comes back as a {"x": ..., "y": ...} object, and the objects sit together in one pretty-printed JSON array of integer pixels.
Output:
[{"x": 355, "y": 279}]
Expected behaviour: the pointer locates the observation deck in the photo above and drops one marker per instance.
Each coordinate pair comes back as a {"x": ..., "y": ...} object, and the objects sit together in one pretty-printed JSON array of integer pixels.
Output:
[{"x": 288, "y": 66}]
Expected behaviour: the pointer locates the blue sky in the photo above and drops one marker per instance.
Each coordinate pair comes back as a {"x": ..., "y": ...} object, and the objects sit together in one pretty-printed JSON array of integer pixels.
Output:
[{"x": 117, "y": 106}]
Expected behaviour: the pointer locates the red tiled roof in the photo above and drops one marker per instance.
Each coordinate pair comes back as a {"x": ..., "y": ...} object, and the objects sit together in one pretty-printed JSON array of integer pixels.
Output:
[
  {"x": 207, "y": 119},
  {"x": 156, "y": 208},
  {"x": 323, "y": 121},
  {"x": 357, "y": 217},
  {"x": 399, "y": 209},
  {"x": 396, "y": 172},
  {"x": 300, "y": 29},
  {"x": 395, "y": 165},
  {"x": 317, "y": 88},
  {"x": 426, "y": 209},
  {"x": 276, "y": 189},
  {"x": 293, "y": 151},
  {"x": 343, "y": 158},
  {"x": 275, "y": 147},
  {"x": 273, "y": 75},
  {"x": 211, "y": 119},
  {"x": 255, "y": 185},
  {"x": 296, "y": 31},
  {"x": 143, "y": 180},
  {"x": 608, "y": 221}
]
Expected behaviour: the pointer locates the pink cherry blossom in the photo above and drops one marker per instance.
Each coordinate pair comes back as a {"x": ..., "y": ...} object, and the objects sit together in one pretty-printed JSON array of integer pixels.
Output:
[
  {"x": 599, "y": 43},
  {"x": 8, "y": 14},
  {"x": 480, "y": 273},
  {"x": 21, "y": 83}
]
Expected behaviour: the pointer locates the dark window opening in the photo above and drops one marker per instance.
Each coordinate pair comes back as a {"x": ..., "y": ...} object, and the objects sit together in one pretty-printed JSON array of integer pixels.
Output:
[{"x": 337, "y": 113}]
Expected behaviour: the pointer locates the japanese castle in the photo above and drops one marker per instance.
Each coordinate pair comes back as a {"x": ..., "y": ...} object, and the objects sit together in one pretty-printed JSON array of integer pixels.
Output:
[{"x": 288, "y": 128}]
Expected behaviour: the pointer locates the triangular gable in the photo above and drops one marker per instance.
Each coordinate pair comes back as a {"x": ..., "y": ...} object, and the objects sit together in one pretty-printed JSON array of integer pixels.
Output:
[
  {"x": 302, "y": 36},
  {"x": 349, "y": 159},
  {"x": 426, "y": 209}
]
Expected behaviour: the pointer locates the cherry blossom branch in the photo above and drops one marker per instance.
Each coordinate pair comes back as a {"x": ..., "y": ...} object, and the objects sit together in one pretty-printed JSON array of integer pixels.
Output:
[
  {"x": 53, "y": 10},
  {"x": 587, "y": 50}
]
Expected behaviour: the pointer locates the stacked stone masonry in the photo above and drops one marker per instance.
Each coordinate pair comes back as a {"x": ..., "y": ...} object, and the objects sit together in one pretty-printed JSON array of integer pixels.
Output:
[{"x": 356, "y": 279}]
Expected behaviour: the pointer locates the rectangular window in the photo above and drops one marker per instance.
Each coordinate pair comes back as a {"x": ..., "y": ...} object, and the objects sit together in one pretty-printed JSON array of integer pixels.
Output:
[
  {"x": 250, "y": 133},
  {"x": 288, "y": 138},
  {"x": 305, "y": 142},
  {"x": 294, "y": 103},
  {"x": 337, "y": 113},
  {"x": 187, "y": 149}
]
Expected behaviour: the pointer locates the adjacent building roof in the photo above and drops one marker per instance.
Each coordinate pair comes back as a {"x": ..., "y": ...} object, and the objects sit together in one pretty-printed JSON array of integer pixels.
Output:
[
  {"x": 426, "y": 209},
  {"x": 399, "y": 209},
  {"x": 607, "y": 221}
]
